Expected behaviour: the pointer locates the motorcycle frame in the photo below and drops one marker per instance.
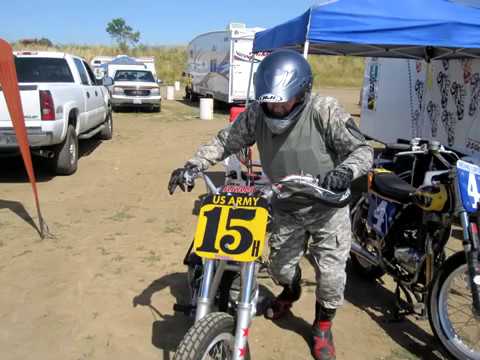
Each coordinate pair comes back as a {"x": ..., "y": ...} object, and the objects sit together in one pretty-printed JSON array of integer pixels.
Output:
[
  {"x": 247, "y": 305},
  {"x": 470, "y": 244},
  {"x": 246, "y": 308}
]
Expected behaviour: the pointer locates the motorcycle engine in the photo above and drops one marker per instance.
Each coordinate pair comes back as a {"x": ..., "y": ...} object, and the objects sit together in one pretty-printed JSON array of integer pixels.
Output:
[{"x": 409, "y": 241}]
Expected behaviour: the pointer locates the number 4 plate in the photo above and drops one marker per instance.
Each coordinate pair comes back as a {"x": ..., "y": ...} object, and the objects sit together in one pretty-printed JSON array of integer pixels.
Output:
[
  {"x": 231, "y": 228},
  {"x": 469, "y": 180}
]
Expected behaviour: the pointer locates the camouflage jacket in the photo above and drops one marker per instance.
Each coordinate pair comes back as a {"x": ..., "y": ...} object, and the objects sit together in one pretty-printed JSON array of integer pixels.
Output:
[{"x": 340, "y": 134}]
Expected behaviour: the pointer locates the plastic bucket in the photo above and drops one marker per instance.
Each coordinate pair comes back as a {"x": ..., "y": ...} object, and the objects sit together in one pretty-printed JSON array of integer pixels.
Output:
[
  {"x": 206, "y": 109},
  {"x": 177, "y": 85},
  {"x": 234, "y": 112},
  {"x": 170, "y": 93}
]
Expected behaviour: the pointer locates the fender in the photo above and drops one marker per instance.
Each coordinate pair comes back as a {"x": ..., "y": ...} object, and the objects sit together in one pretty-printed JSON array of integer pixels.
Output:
[{"x": 67, "y": 108}]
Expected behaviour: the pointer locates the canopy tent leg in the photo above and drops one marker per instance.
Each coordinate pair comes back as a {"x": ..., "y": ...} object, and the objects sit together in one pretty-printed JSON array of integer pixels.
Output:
[
  {"x": 252, "y": 61},
  {"x": 306, "y": 47}
]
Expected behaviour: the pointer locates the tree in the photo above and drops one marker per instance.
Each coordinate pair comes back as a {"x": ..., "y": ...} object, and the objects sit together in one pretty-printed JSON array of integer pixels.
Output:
[
  {"x": 122, "y": 33},
  {"x": 42, "y": 42}
]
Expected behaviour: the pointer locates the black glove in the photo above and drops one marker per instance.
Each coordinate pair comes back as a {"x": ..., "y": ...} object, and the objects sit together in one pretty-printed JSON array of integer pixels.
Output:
[
  {"x": 338, "y": 179},
  {"x": 183, "y": 178}
]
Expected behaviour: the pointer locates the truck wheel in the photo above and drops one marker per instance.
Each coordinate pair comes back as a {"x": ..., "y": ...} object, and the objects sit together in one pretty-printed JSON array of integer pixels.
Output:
[
  {"x": 192, "y": 97},
  {"x": 107, "y": 132},
  {"x": 157, "y": 108},
  {"x": 65, "y": 159}
]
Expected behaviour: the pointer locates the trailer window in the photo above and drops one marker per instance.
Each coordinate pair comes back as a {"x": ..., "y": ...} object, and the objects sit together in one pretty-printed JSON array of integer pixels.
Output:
[
  {"x": 134, "y": 75},
  {"x": 42, "y": 70},
  {"x": 213, "y": 65}
]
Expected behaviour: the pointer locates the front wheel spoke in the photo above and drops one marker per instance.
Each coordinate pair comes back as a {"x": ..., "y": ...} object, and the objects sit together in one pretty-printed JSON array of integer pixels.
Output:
[
  {"x": 461, "y": 295},
  {"x": 467, "y": 324},
  {"x": 458, "y": 310}
]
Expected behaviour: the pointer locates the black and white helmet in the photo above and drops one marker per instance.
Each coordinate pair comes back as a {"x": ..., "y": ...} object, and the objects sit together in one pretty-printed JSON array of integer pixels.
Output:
[{"x": 281, "y": 76}]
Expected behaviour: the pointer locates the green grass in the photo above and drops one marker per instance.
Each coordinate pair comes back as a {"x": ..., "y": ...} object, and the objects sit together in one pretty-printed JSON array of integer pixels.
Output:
[
  {"x": 170, "y": 62},
  {"x": 152, "y": 258},
  {"x": 172, "y": 227},
  {"x": 121, "y": 215}
]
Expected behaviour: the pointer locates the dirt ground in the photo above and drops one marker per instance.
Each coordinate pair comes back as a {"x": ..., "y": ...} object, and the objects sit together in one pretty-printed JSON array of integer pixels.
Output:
[{"x": 119, "y": 242}]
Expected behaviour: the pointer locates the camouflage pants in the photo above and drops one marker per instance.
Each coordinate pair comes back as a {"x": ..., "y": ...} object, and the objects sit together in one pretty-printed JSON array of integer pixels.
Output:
[{"x": 329, "y": 233}]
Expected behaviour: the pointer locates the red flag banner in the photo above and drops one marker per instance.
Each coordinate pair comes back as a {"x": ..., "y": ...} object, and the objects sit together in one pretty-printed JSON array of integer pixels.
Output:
[{"x": 9, "y": 86}]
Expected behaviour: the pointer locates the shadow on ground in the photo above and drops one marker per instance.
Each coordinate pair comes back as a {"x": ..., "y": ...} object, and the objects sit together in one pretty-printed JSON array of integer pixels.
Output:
[
  {"x": 18, "y": 209},
  {"x": 378, "y": 302},
  {"x": 13, "y": 168},
  {"x": 218, "y": 106},
  {"x": 167, "y": 330}
]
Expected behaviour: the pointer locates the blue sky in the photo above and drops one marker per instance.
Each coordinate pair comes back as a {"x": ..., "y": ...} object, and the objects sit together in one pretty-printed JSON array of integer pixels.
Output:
[{"x": 160, "y": 22}]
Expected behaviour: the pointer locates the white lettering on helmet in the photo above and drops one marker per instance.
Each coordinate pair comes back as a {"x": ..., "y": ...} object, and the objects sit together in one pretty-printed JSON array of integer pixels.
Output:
[{"x": 271, "y": 98}]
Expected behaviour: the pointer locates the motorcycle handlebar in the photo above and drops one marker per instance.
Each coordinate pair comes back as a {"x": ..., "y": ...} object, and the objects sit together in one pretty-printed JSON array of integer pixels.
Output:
[
  {"x": 293, "y": 185},
  {"x": 306, "y": 186}
]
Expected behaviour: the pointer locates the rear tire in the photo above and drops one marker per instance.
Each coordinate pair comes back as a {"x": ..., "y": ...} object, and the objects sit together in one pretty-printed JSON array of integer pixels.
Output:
[
  {"x": 215, "y": 331},
  {"x": 65, "y": 160},
  {"x": 359, "y": 233}
]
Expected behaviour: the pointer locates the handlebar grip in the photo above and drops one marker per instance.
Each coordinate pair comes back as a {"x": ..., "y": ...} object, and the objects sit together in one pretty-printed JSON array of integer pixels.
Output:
[
  {"x": 344, "y": 201},
  {"x": 398, "y": 147}
]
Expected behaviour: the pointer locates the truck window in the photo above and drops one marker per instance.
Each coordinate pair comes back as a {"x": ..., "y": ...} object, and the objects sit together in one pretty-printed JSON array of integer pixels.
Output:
[
  {"x": 134, "y": 75},
  {"x": 90, "y": 73},
  {"x": 81, "y": 71},
  {"x": 42, "y": 70}
]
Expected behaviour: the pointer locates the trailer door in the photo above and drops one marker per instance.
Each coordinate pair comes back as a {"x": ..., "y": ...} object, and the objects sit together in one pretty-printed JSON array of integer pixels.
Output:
[{"x": 242, "y": 49}]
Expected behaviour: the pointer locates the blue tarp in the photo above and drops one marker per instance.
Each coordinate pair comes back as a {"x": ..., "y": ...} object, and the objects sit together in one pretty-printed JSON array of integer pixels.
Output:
[{"x": 406, "y": 28}]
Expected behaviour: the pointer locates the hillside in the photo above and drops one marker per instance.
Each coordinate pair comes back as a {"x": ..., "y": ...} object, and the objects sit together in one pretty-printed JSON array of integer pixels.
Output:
[{"x": 170, "y": 62}]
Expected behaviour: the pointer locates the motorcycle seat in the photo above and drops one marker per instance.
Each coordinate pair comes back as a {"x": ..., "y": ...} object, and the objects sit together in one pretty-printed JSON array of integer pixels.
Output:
[{"x": 392, "y": 187}]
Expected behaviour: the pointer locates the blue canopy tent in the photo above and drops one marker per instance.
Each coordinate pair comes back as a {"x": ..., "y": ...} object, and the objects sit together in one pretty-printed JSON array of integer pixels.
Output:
[{"x": 415, "y": 29}]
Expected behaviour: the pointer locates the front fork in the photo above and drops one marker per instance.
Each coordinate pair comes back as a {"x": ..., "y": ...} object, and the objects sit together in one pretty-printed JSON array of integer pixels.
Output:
[
  {"x": 246, "y": 308},
  {"x": 471, "y": 248}
]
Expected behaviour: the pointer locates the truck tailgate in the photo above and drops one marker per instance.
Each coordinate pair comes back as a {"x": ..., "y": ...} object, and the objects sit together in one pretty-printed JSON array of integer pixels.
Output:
[{"x": 30, "y": 104}]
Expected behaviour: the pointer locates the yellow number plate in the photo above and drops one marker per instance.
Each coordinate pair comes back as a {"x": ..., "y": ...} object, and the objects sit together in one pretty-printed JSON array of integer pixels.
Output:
[{"x": 231, "y": 228}]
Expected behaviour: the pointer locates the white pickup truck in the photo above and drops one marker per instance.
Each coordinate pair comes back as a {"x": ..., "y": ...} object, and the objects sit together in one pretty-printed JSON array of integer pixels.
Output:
[{"x": 62, "y": 102}]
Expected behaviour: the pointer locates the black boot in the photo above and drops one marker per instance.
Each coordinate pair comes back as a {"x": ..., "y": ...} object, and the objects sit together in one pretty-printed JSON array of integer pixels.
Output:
[
  {"x": 322, "y": 346},
  {"x": 283, "y": 302}
]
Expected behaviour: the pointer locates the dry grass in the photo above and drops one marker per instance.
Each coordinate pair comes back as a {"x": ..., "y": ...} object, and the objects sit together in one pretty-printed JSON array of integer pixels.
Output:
[
  {"x": 170, "y": 62},
  {"x": 341, "y": 71}
]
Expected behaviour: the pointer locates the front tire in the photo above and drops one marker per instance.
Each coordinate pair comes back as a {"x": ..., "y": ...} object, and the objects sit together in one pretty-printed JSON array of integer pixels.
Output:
[
  {"x": 213, "y": 335},
  {"x": 65, "y": 160},
  {"x": 457, "y": 328},
  {"x": 157, "y": 109},
  {"x": 107, "y": 132}
]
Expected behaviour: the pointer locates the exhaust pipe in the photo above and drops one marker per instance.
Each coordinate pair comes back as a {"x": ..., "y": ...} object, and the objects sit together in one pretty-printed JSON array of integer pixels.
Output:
[
  {"x": 49, "y": 154},
  {"x": 365, "y": 255}
]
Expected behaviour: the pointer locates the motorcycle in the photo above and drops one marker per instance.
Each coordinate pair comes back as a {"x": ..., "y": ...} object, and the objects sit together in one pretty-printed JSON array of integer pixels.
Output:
[
  {"x": 401, "y": 226},
  {"x": 224, "y": 259}
]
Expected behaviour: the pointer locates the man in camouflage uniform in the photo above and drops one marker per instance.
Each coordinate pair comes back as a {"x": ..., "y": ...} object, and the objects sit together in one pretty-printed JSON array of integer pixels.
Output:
[{"x": 296, "y": 133}]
